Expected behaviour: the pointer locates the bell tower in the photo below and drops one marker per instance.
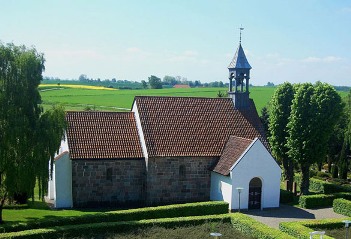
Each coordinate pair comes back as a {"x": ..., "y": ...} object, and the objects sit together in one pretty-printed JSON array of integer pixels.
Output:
[{"x": 239, "y": 71}]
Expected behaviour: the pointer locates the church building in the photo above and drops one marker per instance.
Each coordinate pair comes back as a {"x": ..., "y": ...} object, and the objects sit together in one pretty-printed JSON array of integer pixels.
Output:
[{"x": 169, "y": 150}]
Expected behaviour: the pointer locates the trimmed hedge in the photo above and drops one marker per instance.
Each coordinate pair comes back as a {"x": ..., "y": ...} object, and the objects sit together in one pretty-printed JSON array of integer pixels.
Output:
[
  {"x": 170, "y": 211},
  {"x": 315, "y": 201},
  {"x": 321, "y": 200},
  {"x": 103, "y": 227},
  {"x": 251, "y": 227},
  {"x": 318, "y": 185},
  {"x": 16, "y": 206},
  {"x": 301, "y": 229},
  {"x": 286, "y": 196},
  {"x": 342, "y": 206}
]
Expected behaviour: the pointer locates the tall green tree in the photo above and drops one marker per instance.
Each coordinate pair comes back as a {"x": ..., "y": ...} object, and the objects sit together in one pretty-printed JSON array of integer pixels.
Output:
[
  {"x": 155, "y": 82},
  {"x": 28, "y": 137},
  {"x": 265, "y": 120},
  {"x": 144, "y": 84},
  {"x": 302, "y": 134},
  {"x": 314, "y": 113},
  {"x": 278, "y": 120},
  {"x": 330, "y": 108}
]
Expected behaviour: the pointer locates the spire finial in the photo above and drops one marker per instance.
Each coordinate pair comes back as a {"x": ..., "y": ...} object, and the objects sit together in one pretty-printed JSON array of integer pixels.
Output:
[{"x": 241, "y": 28}]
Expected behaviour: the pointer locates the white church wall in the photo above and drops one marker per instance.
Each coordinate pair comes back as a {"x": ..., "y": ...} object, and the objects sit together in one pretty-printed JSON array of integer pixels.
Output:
[
  {"x": 63, "y": 182},
  {"x": 51, "y": 186},
  {"x": 140, "y": 131},
  {"x": 221, "y": 188},
  {"x": 52, "y": 182},
  {"x": 256, "y": 162}
]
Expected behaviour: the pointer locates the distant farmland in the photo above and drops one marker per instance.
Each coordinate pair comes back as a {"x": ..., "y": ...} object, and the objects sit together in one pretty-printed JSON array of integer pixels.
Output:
[{"x": 122, "y": 100}]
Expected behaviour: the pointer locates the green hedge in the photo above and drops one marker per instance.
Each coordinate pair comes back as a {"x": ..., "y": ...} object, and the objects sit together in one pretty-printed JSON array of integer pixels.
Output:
[
  {"x": 322, "y": 186},
  {"x": 239, "y": 221},
  {"x": 318, "y": 185},
  {"x": 342, "y": 206},
  {"x": 316, "y": 201},
  {"x": 176, "y": 210},
  {"x": 321, "y": 200},
  {"x": 16, "y": 206},
  {"x": 301, "y": 229},
  {"x": 286, "y": 196},
  {"x": 120, "y": 227},
  {"x": 255, "y": 229}
]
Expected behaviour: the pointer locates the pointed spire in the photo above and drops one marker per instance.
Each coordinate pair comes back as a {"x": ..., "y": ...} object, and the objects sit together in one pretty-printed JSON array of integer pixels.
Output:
[{"x": 239, "y": 61}]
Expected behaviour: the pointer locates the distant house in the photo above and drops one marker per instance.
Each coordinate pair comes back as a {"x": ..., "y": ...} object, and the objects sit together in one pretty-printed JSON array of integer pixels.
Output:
[
  {"x": 181, "y": 86},
  {"x": 169, "y": 150}
]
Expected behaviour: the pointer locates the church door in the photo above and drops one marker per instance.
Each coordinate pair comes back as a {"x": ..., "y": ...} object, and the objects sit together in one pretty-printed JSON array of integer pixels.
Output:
[{"x": 255, "y": 193}]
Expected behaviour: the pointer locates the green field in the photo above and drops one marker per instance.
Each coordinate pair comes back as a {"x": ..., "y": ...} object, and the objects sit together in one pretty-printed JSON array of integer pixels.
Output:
[{"x": 122, "y": 100}]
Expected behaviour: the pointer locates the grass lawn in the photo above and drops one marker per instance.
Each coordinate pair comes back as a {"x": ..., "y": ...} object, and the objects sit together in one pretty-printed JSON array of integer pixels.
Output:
[
  {"x": 40, "y": 210},
  {"x": 193, "y": 232}
]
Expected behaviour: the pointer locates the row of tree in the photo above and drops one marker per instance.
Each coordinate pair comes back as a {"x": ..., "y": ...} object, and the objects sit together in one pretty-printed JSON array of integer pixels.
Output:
[
  {"x": 29, "y": 137},
  {"x": 308, "y": 124},
  {"x": 155, "y": 82}
]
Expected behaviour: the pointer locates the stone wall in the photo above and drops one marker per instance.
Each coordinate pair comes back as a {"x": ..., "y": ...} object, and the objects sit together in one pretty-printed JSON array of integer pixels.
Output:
[
  {"x": 108, "y": 183},
  {"x": 179, "y": 179}
]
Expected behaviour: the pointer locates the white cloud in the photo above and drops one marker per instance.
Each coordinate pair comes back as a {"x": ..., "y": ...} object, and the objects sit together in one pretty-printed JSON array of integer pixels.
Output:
[
  {"x": 346, "y": 9},
  {"x": 185, "y": 57},
  {"x": 81, "y": 54},
  {"x": 313, "y": 59},
  {"x": 133, "y": 50}
]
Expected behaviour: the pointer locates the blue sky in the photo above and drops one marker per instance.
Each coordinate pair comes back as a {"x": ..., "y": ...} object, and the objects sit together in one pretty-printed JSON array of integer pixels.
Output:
[{"x": 296, "y": 41}]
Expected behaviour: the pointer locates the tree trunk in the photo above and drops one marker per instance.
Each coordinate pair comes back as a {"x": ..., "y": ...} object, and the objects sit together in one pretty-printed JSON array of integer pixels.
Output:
[
  {"x": 335, "y": 171},
  {"x": 305, "y": 179},
  {"x": 289, "y": 173},
  {"x": 290, "y": 176},
  {"x": 1, "y": 221},
  {"x": 320, "y": 165},
  {"x": 329, "y": 163},
  {"x": 2, "y": 202}
]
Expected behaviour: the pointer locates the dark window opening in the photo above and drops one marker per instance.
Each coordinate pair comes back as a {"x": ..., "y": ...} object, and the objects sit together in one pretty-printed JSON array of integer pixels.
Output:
[
  {"x": 109, "y": 174},
  {"x": 182, "y": 172}
]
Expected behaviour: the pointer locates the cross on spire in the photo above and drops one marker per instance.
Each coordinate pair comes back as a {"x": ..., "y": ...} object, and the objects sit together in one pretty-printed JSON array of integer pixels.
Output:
[{"x": 241, "y": 28}]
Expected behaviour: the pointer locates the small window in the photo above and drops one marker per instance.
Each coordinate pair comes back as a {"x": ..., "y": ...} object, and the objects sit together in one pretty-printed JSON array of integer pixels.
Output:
[
  {"x": 109, "y": 174},
  {"x": 182, "y": 172}
]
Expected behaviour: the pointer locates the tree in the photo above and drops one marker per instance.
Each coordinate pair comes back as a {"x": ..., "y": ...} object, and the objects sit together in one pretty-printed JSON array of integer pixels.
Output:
[
  {"x": 314, "y": 113},
  {"x": 83, "y": 78},
  {"x": 330, "y": 110},
  {"x": 265, "y": 120},
  {"x": 155, "y": 82},
  {"x": 278, "y": 121},
  {"x": 28, "y": 137},
  {"x": 169, "y": 80},
  {"x": 302, "y": 135},
  {"x": 144, "y": 84}
]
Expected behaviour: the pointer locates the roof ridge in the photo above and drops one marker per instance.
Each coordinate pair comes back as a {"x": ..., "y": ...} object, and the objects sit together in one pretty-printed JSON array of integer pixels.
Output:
[
  {"x": 95, "y": 112},
  {"x": 234, "y": 136},
  {"x": 187, "y": 97}
]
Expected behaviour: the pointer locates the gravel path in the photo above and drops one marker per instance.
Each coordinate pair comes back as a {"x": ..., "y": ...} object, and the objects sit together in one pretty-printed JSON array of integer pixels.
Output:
[{"x": 272, "y": 217}]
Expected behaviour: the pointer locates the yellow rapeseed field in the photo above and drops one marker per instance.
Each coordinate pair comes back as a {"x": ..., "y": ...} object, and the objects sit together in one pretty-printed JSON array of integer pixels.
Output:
[{"x": 89, "y": 87}]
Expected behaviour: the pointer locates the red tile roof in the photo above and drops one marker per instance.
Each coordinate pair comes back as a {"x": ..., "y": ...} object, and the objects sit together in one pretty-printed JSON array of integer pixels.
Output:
[
  {"x": 187, "y": 126},
  {"x": 232, "y": 151},
  {"x": 102, "y": 135}
]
